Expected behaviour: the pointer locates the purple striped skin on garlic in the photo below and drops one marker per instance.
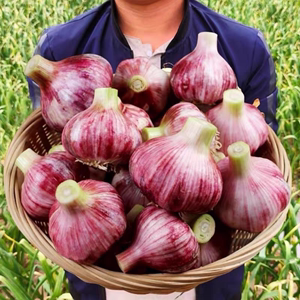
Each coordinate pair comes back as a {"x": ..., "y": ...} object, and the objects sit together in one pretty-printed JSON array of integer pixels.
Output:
[
  {"x": 173, "y": 120},
  {"x": 67, "y": 86},
  {"x": 42, "y": 176},
  {"x": 238, "y": 121},
  {"x": 86, "y": 220},
  {"x": 142, "y": 84},
  {"x": 178, "y": 172},
  {"x": 254, "y": 192},
  {"x": 102, "y": 133},
  {"x": 162, "y": 242},
  {"x": 129, "y": 192},
  {"x": 137, "y": 116},
  {"x": 203, "y": 75}
]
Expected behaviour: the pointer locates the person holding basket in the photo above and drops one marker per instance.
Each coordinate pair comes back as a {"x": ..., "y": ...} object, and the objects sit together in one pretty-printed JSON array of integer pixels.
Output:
[{"x": 164, "y": 31}]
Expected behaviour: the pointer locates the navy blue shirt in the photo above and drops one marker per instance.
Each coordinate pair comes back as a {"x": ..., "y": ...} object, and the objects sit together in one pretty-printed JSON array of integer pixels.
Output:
[{"x": 244, "y": 48}]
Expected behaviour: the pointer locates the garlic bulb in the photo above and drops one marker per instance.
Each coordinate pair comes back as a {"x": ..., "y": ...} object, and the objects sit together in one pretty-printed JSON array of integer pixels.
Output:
[
  {"x": 238, "y": 121},
  {"x": 162, "y": 242},
  {"x": 218, "y": 246},
  {"x": 102, "y": 133},
  {"x": 173, "y": 120},
  {"x": 177, "y": 172},
  {"x": 67, "y": 86},
  {"x": 142, "y": 84},
  {"x": 254, "y": 190},
  {"x": 86, "y": 220},
  {"x": 129, "y": 192},
  {"x": 203, "y": 75},
  {"x": 42, "y": 176}
]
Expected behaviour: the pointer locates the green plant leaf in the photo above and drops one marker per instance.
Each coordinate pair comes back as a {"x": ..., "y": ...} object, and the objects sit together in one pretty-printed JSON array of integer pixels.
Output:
[
  {"x": 58, "y": 289},
  {"x": 272, "y": 295},
  {"x": 16, "y": 289}
]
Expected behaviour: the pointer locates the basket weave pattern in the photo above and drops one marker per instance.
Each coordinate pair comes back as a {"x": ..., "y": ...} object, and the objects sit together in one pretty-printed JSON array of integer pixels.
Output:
[{"x": 34, "y": 133}]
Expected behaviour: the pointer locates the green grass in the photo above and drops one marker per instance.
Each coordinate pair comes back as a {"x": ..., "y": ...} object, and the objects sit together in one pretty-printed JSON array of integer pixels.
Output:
[{"x": 24, "y": 272}]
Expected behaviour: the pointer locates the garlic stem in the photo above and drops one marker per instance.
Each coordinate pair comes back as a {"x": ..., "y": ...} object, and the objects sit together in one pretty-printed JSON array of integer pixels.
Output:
[
  {"x": 133, "y": 213},
  {"x": 70, "y": 194},
  {"x": 204, "y": 228},
  {"x": 149, "y": 133},
  {"x": 239, "y": 157},
  {"x": 39, "y": 69},
  {"x": 199, "y": 132},
  {"x": 26, "y": 159},
  {"x": 127, "y": 259},
  {"x": 138, "y": 83},
  {"x": 207, "y": 40},
  {"x": 56, "y": 148},
  {"x": 167, "y": 70},
  {"x": 233, "y": 101},
  {"x": 106, "y": 98}
]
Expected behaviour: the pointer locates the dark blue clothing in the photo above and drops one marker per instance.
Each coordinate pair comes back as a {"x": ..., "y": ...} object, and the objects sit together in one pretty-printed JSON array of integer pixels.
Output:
[
  {"x": 244, "y": 48},
  {"x": 225, "y": 287}
]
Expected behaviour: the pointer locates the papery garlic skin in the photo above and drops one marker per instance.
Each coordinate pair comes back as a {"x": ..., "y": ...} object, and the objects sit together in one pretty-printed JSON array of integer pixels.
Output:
[
  {"x": 178, "y": 172},
  {"x": 203, "y": 75},
  {"x": 41, "y": 181},
  {"x": 102, "y": 133},
  {"x": 254, "y": 192},
  {"x": 142, "y": 84},
  {"x": 162, "y": 242},
  {"x": 67, "y": 86},
  {"x": 88, "y": 227},
  {"x": 238, "y": 121},
  {"x": 129, "y": 192}
]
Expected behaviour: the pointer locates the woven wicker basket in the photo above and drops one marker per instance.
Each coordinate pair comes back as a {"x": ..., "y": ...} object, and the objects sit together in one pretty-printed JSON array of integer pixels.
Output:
[{"x": 34, "y": 133}]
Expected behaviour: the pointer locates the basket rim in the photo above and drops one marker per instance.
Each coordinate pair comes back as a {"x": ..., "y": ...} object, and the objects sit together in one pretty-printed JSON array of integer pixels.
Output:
[{"x": 135, "y": 283}]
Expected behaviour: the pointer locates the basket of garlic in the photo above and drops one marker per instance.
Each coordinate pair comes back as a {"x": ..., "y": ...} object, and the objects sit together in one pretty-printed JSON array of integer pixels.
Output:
[{"x": 133, "y": 207}]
